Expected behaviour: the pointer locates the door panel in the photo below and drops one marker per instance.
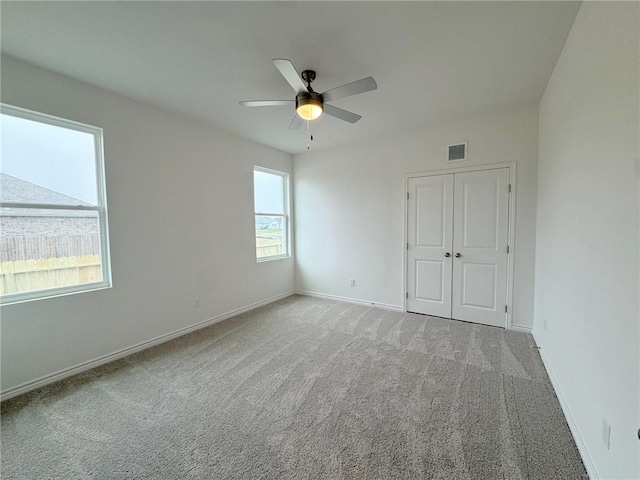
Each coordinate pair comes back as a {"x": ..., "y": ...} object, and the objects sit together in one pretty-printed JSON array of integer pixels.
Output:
[
  {"x": 430, "y": 210},
  {"x": 481, "y": 203},
  {"x": 429, "y": 237},
  {"x": 429, "y": 280},
  {"x": 483, "y": 278},
  {"x": 479, "y": 214}
]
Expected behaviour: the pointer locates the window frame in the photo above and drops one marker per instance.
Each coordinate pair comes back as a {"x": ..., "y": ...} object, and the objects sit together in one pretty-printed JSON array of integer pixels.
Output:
[
  {"x": 286, "y": 233},
  {"x": 100, "y": 208}
]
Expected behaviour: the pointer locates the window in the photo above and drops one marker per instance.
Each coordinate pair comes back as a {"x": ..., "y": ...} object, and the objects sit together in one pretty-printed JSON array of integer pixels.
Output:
[
  {"x": 271, "y": 198},
  {"x": 53, "y": 214}
]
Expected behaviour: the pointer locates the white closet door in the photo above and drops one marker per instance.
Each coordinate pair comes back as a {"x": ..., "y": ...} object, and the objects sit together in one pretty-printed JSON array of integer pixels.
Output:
[
  {"x": 429, "y": 235},
  {"x": 481, "y": 215}
]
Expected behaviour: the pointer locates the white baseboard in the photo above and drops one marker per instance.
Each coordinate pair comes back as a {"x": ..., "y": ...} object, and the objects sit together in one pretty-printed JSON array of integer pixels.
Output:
[
  {"x": 67, "y": 372},
  {"x": 369, "y": 303},
  {"x": 573, "y": 426},
  {"x": 520, "y": 328}
]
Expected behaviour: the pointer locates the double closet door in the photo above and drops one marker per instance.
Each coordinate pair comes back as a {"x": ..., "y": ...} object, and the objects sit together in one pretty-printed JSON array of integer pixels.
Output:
[{"x": 457, "y": 234}]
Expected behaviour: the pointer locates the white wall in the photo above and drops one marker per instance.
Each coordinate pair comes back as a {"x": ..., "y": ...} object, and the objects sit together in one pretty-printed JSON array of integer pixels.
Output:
[
  {"x": 180, "y": 199},
  {"x": 587, "y": 253},
  {"x": 349, "y": 204}
]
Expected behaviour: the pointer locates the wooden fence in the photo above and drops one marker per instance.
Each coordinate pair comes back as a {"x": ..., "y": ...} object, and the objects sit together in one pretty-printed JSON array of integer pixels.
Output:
[
  {"x": 29, "y": 275},
  {"x": 36, "y": 263},
  {"x": 266, "y": 246},
  {"x": 28, "y": 247}
]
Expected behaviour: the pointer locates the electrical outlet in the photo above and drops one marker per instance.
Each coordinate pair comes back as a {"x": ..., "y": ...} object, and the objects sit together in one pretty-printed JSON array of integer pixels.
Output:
[
  {"x": 606, "y": 433},
  {"x": 196, "y": 302},
  {"x": 352, "y": 282}
]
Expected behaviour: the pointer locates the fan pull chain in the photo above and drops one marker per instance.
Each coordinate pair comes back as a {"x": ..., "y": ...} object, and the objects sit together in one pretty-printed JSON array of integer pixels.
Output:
[{"x": 309, "y": 134}]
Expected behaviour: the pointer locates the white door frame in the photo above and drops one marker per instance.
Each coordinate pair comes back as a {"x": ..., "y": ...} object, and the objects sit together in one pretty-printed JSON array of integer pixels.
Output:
[{"x": 512, "y": 166}]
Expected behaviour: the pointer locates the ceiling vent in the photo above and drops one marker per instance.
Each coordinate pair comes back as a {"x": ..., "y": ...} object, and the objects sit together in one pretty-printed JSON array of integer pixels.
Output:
[{"x": 457, "y": 152}]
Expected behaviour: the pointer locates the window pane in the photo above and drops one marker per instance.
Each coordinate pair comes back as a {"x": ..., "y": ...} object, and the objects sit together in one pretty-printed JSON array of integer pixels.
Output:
[
  {"x": 269, "y": 236},
  {"x": 44, "y": 163},
  {"x": 268, "y": 192},
  {"x": 48, "y": 250},
  {"x": 43, "y": 249},
  {"x": 271, "y": 223}
]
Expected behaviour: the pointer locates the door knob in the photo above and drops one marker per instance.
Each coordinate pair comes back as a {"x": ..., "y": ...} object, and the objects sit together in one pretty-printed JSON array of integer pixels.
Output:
[
  {"x": 458, "y": 255},
  {"x": 447, "y": 254}
]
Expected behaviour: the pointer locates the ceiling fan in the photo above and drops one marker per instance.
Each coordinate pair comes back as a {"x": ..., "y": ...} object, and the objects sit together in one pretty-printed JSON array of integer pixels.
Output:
[{"x": 310, "y": 104}]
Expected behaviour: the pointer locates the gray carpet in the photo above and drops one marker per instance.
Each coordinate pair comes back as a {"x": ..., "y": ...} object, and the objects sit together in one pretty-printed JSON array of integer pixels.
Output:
[{"x": 302, "y": 388}]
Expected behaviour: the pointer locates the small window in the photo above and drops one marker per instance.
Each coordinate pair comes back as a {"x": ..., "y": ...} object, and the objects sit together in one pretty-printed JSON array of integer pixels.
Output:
[
  {"x": 53, "y": 213},
  {"x": 271, "y": 198}
]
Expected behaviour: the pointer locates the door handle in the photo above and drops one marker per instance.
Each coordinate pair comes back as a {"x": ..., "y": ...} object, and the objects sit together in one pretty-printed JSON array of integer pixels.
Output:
[
  {"x": 458, "y": 255},
  {"x": 447, "y": 254}
]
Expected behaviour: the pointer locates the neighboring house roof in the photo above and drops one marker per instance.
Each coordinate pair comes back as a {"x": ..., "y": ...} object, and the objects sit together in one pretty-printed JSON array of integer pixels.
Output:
[{"x": 16, "y": 190}]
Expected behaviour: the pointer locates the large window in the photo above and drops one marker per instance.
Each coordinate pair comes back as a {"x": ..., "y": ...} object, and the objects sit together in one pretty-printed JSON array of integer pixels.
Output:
[
  {"x": 53, "y": 217},
  {"x": 271, "y": 198}
]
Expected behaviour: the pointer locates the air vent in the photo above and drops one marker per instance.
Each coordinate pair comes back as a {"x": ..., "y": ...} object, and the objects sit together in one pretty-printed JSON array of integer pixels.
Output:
[{"x": 457, "y": 152}]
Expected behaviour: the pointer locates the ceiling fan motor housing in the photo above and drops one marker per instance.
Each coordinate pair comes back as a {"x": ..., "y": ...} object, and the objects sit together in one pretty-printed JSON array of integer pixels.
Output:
[
  {"x": 308, "y": 102},
  {"x": 306, "y": 98}
]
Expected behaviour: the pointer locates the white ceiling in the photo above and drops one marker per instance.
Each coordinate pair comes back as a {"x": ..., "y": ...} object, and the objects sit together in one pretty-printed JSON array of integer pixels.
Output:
[{"x": 433, "y": 61}]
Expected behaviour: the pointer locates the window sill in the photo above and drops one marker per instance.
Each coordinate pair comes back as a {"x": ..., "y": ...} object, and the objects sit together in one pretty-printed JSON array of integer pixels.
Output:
[
  {"x": 272, "y": 257},
  {"x": 24, "y": 297}
]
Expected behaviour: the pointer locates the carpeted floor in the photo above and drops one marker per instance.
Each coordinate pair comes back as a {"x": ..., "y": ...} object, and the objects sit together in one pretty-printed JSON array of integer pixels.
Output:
[{"x": 302, "y": 388}]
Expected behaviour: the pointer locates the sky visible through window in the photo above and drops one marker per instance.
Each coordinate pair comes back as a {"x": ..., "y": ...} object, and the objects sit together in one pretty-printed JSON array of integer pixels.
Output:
[
  {"x": 269, "y": 192},
  {"x": 57, "y": 158}
]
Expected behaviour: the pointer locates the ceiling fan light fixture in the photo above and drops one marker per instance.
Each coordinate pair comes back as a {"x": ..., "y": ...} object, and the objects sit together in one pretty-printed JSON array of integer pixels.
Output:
[{"x": 309, "y": 105}]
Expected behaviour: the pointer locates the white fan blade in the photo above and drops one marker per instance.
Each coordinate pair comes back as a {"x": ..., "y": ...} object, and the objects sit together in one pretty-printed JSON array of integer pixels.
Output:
[
  {"x": 265, "y": 103},
  {"x": 296, "y": 122},
  {"x": 290, "y": 74},
  {"x": 341, "y": 114},
  {"x": 359, "y": 86}
]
